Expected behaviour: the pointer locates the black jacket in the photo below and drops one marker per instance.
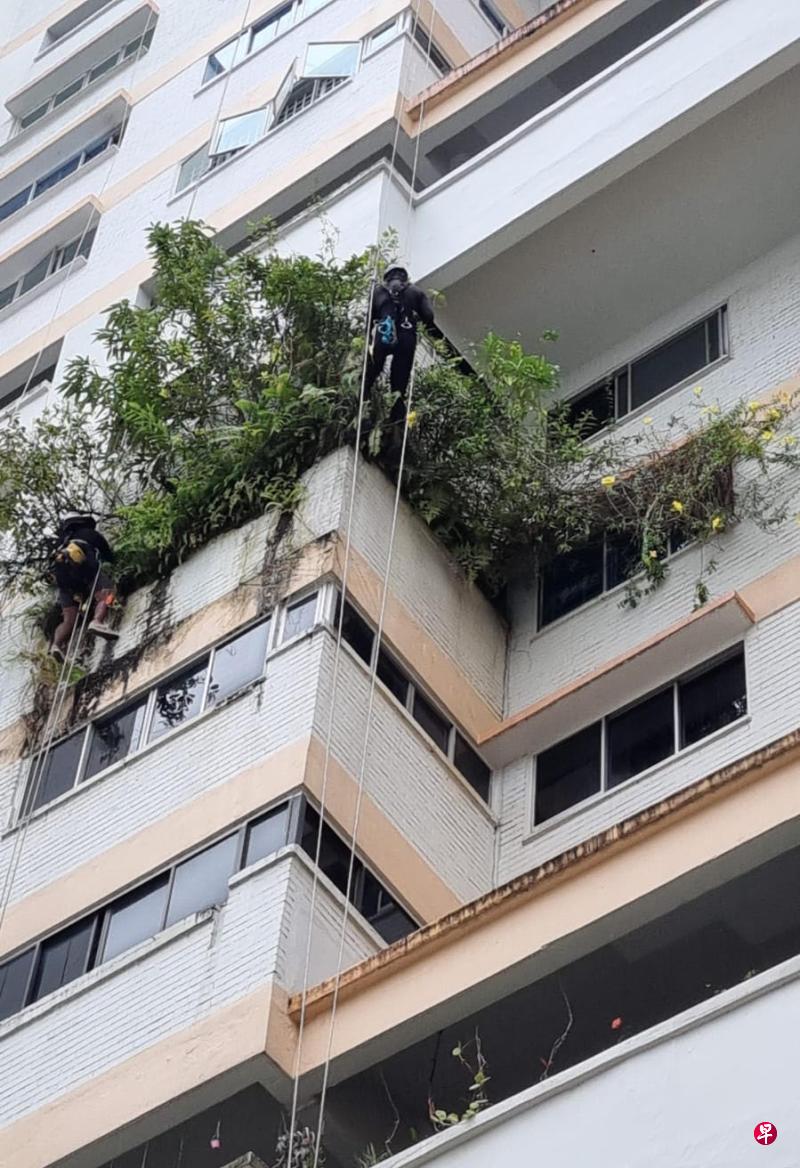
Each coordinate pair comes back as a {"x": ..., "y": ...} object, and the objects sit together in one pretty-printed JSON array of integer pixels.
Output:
[
  {"x": 412, "y": 305},
  {"x": 69, "y": 574}
]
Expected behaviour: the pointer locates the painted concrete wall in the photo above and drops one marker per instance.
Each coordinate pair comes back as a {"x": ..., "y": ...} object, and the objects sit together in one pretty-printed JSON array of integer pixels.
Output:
[
  {"x": 407, "y": 777},
  {"x": 689, "y": 1092},
  {"x": 174, "y": 980}
]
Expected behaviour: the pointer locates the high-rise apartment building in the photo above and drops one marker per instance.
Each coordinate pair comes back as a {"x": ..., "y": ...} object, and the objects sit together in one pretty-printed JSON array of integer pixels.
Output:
[{"x": 577, "y": 825}]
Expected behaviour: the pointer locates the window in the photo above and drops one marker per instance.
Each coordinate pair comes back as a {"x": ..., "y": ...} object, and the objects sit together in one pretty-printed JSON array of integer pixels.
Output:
[
  {"x": 658, "y": 370},
  {"x": 640, "y": 737},
  {"x": 136, "y": 47},
  {"x": 63, "y": 170},
  {"x": 431, "y": 50},
  {"x": 713, "y": 699},
  {"x": 53, "y": 262},
  {"x": 14, "y": 978},
  {"x": 233, "y": 666},
  {"x": 355, "y": 631},
  {"x": 431, "y": 721},
  {"x": 202, "y": 881},
  {"x": 577, "y": 576},
  {"x": 187, "y": 887},
  {"x": 113, "y": 738},
  {"x": 304, "y": 94},
  {"x": 28, "y": 385},
  {"x": 57, "y": 773},
  {"x": 367, "y": 894},
  {"x": 258, "y": 36},
  {"x": 383, "y": 36},
  {"x": 334, "y": 59},
  {"x": 494, "y": 18},
  {"x": 266, "y": 835},
  {"x": 233, "y": 134},
  {"x": 178, "y": 700},
  {"x": 238, "y": 663},
  {"x": 299, "y": 617},
  {"x": 63, "y": 958},
  {"x": 437, "y": 726},
  {"x": 74, "y": 19},
  {"x": 193, "y": 167},
  {"x": 628, "y": 742},
  {"x": 135, "y": 917}
]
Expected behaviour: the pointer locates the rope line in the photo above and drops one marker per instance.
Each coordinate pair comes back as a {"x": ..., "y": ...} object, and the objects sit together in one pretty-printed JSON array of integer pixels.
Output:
[{"x": 337, "y": 656}]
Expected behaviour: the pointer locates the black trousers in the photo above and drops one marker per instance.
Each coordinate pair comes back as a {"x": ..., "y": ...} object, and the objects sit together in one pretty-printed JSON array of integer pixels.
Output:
[{"x": 402, "y": 356}]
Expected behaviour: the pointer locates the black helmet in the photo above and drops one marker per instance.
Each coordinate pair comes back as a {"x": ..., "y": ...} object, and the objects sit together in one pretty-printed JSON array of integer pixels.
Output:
[
  {"x": 395, "y": 270},
  {"x": 76, "y": 519}
]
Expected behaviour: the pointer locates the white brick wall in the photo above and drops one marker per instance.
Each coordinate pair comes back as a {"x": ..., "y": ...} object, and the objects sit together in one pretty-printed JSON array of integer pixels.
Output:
[
  {"x": 170, "y": 774},
  {"x": 773, "y": 686},
  {"x": 407, "y": 778},
  {"x": 175, "y": 980},
  {"x": 764, "y": 322}
]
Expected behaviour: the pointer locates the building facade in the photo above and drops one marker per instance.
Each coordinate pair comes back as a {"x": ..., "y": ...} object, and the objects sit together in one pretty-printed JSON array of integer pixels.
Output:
[{"x": 573, "y": 826}]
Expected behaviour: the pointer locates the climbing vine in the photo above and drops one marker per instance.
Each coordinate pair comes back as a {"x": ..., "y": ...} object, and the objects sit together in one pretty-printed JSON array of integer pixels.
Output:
[{"x": 214, "y": 399}]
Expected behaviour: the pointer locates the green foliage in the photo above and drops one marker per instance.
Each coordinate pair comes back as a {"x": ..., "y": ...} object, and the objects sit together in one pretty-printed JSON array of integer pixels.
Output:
[
  {"x": 214, "y": 400},
  {"x": 477, "y": 1098}
]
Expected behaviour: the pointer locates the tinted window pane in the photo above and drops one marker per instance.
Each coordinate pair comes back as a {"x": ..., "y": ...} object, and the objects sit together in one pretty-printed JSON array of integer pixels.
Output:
[
  {"x": 98, "y": 147},
  {"x": 13, "y": 982},
  {"x": 55, "y": 176},
  {"x": 593, "y": 409},
  {"x": 623, "y": 559},
  {"x": 392, "y": 676},
  {"x": 334, "y": 857},
  {"x": 668, "y": 365},
  {"x": 299, "y": 617},
  {"x": 266, "y": 30},
  {"x": 570, "y": 580},
  {"x": 113, "y": 739},
  {"x": 177, "y": 701},
  {"x": 63, "y": 958},
  {"x": 473, "y": 768},
  {"x": 567, "y": 773},
  {"x": 7, "y": 295},
  {"x": 34, "y": 115},
  {"x": 238, "y": 663},
  {"x": 431, "y": 721},
  {"x": 35, "y": 275},
  {"x": 67, "y": 92},
  {"x": 355, "y": 631},
  {"x": 103, "y": 67},
  {"x": 713, "y": 699},
  {"x": 14, "y": 203},
  {"x": 266, "y": 835},
  {"x": 202, "y": 881},
  {"x": 59, "y": 772},
  {"x": 640, "y": 737},
  {"x": 136, "y": 917}
]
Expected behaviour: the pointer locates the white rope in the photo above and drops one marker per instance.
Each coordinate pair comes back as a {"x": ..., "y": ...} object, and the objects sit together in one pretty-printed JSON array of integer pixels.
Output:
[
  {"x": 338, "y": 647},
  {"x": 334, "y": 687}
]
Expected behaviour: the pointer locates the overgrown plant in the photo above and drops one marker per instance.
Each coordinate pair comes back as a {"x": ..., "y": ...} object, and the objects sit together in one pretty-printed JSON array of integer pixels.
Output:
[
  {"x": 303, "y": 1146},
  {"x": 215, "y": 399},
  {"x": 475, "y": 1067}
]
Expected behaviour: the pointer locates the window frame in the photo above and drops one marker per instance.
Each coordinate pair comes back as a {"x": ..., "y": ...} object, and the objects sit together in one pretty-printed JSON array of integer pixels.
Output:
[
  {"x": 297, "y": 10},
  {"x": 623, "y": 374},
  {"x": 57, "y": 259},
  {"x": 100, "y": 917},
  {"x": 493, "y": 18},
  {"x": 48, "y": 107},
  {"x": 413, "y": 688},
  {"x": 79, "y": 157},
  {"x": 148, "y": 698},
  {"x": 729, "y": 654}
]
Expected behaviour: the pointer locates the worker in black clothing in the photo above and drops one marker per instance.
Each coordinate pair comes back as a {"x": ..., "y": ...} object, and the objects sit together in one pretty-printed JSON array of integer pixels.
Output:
[
  {"x": 397, "y": 306},
  {"x": 80, "y": 579}
]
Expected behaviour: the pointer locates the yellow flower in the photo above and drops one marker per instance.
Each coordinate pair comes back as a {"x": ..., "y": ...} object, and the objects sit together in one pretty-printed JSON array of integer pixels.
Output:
[
  {"x": 677, "y": 505},
  {"x": 773, "y": 414},
  {"x": 790, "y": 440},
  {"x": 754, "y": 405},
  {"x": 654, "y": 555},
  {"x": 698, "y": 389},
  {"x": 710, "y": 410},
  {"x": 767, "y": 435},
  {"x": 648, "y": 421},
  {"x": 412, "y": 419},
  {"x": 717, "y": 522},
  {"x": 608, "y": 480}
]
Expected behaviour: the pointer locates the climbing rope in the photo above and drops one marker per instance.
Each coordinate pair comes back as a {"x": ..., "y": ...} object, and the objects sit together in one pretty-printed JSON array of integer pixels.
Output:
[{"x": 337, "y": 655}]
